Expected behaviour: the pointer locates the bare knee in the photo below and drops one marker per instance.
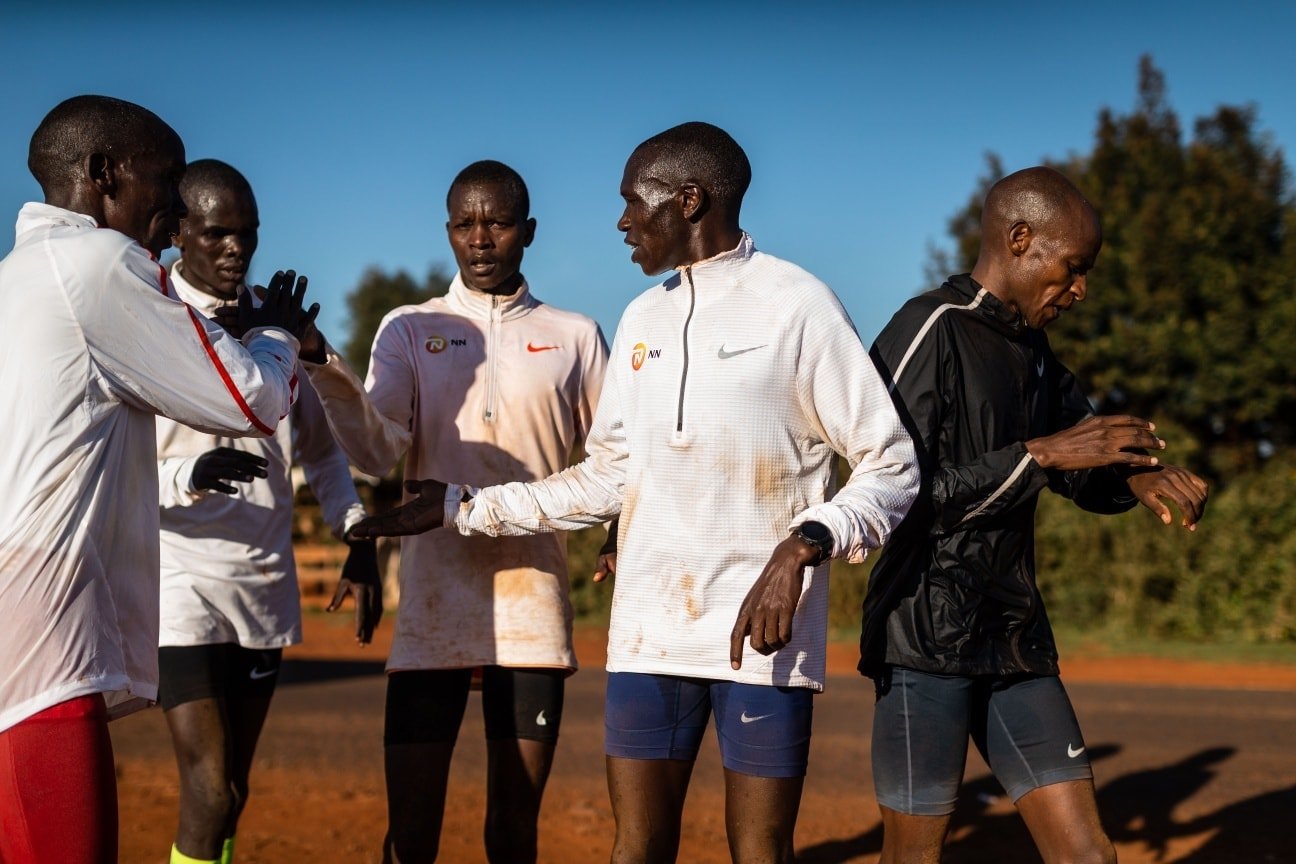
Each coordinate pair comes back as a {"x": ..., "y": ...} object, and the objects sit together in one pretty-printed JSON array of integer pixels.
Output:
[{"x": 910, "y": 839}]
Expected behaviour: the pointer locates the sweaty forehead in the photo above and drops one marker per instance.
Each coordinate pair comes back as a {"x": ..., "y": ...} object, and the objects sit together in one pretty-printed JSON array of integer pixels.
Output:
[
  {"x": 489, "y": 196},
  {"x": 213, "y": 201}
]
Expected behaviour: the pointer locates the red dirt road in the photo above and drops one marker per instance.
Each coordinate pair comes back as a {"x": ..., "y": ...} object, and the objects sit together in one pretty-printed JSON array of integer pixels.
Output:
[{"x": 1196, "y": 763}]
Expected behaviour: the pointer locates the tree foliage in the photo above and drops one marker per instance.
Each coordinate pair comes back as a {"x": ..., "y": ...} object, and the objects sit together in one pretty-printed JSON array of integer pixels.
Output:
[
  {"x": 1191, "y": 316},
  {"x": 377, "y": 294}
]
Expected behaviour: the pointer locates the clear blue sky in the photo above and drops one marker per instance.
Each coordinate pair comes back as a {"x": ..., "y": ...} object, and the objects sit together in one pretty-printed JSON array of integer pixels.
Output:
[{"x": 866, "y": 126}]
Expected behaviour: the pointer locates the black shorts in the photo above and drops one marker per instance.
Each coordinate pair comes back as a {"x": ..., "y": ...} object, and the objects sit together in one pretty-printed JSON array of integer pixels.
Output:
[
  {"x": 192, "y": 672},
  {"x": 1023, "y": 726},
  {"x": 426, "y": 706}
]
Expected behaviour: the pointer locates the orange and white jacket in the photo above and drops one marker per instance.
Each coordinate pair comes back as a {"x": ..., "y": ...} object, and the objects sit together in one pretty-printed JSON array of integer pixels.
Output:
[
  {"x": 93, "y": 345},
  {"x": 733, "y": 386},
  {"x": 489, "y": 389}
]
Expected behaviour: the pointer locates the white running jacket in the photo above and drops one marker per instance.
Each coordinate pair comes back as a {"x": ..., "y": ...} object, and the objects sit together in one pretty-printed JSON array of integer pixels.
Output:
[
  {"x": 228, "y": 573},
  {"x": 731, "y": 388},
  {"x": 487, "y": 389},
  {"x": 93, "y": 344}
]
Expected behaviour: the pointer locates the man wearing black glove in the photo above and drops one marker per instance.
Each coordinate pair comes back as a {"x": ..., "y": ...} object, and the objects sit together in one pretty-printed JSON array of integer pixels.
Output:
[{"x": 229, "y": 589}]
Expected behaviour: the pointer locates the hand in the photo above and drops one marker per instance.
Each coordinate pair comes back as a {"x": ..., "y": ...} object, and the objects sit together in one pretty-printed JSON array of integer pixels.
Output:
[
  {"x": 424, "y": 513},
  {"x": 606, "y": 566},
  {"x": 1181, "y": 487},
  {"x": 312, "y": 345},
  {"x": 213, "y": 469},
  {"x": 767, "y": 610},
  {"x": 227, "y": 316},
  {"x": 361, "y": 579},
  {"x": 607, "y": 556},
  {"x": 281, "y": 306},
  {"x": 1096, "y": 442}
]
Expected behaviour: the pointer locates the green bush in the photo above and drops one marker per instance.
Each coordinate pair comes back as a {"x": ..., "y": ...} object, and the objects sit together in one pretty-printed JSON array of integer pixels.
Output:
[{"x": 1234, "y": 579}]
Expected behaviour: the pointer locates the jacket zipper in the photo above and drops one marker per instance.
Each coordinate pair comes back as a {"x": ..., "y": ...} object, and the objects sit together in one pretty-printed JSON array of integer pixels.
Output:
[
  {"x": 679, "y": 421},
  {"x": 492, "y": 338}
]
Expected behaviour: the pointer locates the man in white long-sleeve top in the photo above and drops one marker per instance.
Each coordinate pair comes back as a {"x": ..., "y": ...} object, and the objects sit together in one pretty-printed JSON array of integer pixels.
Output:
[
  {"x": 489, "y": 383},
  {"x": 93, "y": 344},
  {"x": 733, "y": 386},
  {"x": 230, "y": 602}
]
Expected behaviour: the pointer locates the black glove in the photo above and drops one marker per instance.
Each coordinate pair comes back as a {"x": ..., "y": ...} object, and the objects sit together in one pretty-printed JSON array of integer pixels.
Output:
[
  {"x": 415, "y": 516},
  {"x": 212, "y": 469},
  {"x": 361, "y": 579}
]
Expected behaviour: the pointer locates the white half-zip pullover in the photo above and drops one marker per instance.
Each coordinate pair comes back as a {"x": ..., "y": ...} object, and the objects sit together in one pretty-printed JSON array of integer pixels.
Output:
[
  {"x": 93, "y": 344},
  {"x": 732, "y": 385},
  {"x": 474, "y": 386},
  {"x": 228, "y": 573}
]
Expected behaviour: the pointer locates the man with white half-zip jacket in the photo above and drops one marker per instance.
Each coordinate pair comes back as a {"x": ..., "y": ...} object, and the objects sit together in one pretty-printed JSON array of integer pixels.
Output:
[
  {"x": 955, "y": 632},
  {"x": 732, "y": 388},
  {"x": 491, "y": 384}
]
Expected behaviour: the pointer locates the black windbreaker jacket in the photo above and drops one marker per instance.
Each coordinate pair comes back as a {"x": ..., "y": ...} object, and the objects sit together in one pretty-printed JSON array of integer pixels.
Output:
[{"x": 954, "y": 589}]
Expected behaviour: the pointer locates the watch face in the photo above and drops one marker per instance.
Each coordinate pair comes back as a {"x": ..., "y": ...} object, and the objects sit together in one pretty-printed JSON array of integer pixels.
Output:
[{"x": 815, "y": 533}]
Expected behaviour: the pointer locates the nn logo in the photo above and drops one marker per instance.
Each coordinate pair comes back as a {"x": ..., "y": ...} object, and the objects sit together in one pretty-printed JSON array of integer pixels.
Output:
[
  {"x": 437, "y": 344},
  {"x": 640, "y": 353}
]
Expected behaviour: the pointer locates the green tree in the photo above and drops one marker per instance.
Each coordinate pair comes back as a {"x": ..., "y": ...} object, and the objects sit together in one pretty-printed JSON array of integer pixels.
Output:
[
  {"x": 377, "y": 294},
  {"x": 1191, "y": 311}
]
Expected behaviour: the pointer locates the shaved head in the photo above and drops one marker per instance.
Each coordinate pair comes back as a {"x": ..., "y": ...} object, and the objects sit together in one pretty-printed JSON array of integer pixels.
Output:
[
  {"x": 488, "y": 172},
  {"x": 85, "y": 125},
  {"x": 697, "y": 153},
  {"x": 1039, "y": 240},
  {"x": 208, "y": 180},
  {"x": 1041, "y": 197}
]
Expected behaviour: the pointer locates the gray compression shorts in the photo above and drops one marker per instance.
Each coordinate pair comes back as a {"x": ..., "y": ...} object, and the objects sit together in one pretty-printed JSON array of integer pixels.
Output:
[{"x": 1023, "y": 725}]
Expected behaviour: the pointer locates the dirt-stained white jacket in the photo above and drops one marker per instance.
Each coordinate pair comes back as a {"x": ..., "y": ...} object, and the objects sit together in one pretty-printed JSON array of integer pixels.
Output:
[
  {"x": 731, "y": 388},
  {"x": 228, "y": 573},
  {"x": 489, "y": 389},
  {"x": 93, "y": 344}
]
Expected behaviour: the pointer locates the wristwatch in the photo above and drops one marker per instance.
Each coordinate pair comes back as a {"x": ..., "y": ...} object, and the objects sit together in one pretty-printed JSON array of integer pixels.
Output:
[{"x": 816, "y": 534}]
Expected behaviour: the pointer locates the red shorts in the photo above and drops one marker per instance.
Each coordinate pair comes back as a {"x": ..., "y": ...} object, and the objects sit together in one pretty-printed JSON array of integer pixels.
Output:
[{"x": 58, "y": 790}]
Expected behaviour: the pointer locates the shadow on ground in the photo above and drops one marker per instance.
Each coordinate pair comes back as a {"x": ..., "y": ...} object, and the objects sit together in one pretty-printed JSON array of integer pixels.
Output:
[{"x": 1136, "y": 808}]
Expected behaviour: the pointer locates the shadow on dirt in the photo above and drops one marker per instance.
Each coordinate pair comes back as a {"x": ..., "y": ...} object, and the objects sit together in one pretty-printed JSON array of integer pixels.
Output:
[{"x": 1136, "y": 808}]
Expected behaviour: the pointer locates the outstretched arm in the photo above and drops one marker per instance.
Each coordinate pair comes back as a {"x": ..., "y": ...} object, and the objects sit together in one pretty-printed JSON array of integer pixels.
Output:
[
  {"x": 188, "y": 368},
  {"x": 372, "y": 420}
]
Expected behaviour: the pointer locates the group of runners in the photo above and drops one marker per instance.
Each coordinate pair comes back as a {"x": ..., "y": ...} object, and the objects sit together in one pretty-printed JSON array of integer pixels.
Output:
[{"x": 151, "y": 420}]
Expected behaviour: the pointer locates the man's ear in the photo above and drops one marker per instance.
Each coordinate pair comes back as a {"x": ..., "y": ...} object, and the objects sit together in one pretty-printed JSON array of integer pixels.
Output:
[
  {"x": 528, "y": 232},
  {"x": 693, "y": 201},
  {"x": 101, "y": 171},
  {"x": 1020, "y": 236}
]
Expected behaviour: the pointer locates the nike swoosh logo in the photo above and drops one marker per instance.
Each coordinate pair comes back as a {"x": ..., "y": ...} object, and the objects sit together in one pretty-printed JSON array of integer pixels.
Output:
[
  {"x": 258, "y": 674},
  {"x": 535, "y": 349},
  {"x": 743, "y": 717},
  {"x": 540, "y": 719},
  {"x": 725, "y": 355},
  {"x": 1073, "y": 752},
  {"x": 1039, "y": 367}
]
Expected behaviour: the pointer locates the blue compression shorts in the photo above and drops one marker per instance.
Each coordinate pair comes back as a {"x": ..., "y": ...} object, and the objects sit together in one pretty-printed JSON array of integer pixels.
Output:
[{"x": 763, "y": 731}]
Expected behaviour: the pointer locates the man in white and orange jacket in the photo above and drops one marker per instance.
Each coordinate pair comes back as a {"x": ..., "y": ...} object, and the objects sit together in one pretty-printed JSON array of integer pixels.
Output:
[{"x": 491, "y": 384}]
